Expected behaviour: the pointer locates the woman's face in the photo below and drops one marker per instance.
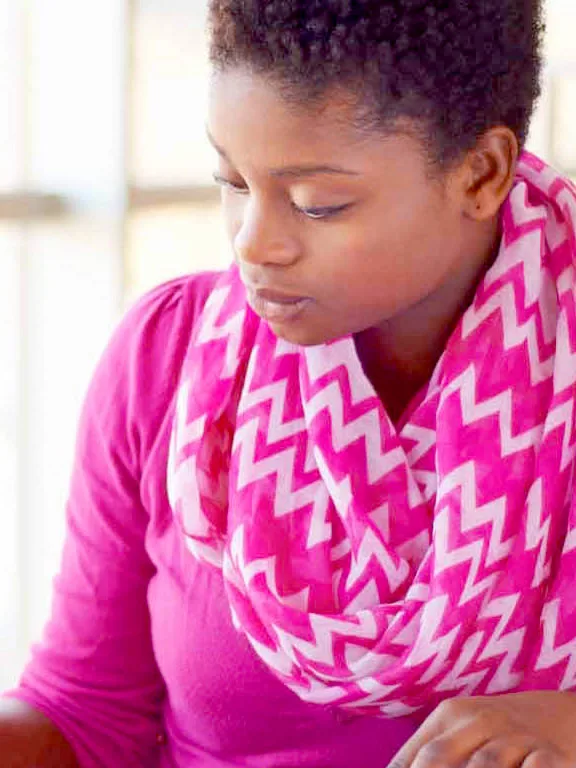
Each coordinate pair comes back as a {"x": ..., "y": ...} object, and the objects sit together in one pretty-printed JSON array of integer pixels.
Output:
[{"x": 334, "y": 231}]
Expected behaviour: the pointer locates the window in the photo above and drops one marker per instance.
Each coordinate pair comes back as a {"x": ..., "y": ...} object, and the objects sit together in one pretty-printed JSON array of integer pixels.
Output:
[
  {"x": 105, "y": 191},
  {"x": 175, "y": 224}
]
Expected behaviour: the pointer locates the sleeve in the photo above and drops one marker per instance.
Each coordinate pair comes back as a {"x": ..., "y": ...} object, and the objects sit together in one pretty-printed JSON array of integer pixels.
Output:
[{"x": 94, "y": 673}]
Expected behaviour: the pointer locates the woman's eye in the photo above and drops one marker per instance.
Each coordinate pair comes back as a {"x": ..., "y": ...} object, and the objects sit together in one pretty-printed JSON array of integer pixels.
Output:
[
  {"x": 233, "y": 185},
  {"x": 312, "y": 212},
  {"x": 324, "y": 212}
]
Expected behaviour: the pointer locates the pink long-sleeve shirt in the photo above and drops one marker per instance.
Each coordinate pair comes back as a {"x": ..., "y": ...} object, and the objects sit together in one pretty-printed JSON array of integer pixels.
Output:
[{"x": 139, "y": 664}]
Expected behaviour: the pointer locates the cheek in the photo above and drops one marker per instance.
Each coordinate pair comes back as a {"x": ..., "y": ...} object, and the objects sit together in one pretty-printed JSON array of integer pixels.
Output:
[
  {"x": 353, "y": 259},
  {"x": 392, "y": 260},
  {"x": 232, "y": 216},
  {"x": 232, "y": 226}
]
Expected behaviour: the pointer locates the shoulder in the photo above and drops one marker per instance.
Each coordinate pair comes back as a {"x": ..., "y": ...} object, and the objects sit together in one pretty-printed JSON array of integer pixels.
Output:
[
  {"x": 137, "y": 376},
  {"x": 157, "y": 326},
  {"x": 169, "y": 309}
]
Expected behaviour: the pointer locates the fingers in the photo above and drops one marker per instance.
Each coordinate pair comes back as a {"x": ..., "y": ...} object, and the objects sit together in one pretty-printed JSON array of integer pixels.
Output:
[
  {"x": 501, "y": 752},
  {"x": 438, "y": 743},
  {"x": 427, "y": 733},
  {"x": 546, "y": 758},
  {"x": 448, "y": 751},
  {"x": 464, "y": 746},
  {"x": 472, "y": 744},
  {"x": 478, "y": 733}
]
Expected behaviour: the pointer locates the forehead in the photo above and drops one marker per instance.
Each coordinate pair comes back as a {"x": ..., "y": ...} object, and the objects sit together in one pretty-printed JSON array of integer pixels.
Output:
[
  {"x": 259, "y": 131},
  {"x": 249, "y": 114}
]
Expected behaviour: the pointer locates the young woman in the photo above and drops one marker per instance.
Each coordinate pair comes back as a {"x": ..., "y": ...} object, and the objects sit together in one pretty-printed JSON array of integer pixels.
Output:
[{"x": 322, "y": 512}]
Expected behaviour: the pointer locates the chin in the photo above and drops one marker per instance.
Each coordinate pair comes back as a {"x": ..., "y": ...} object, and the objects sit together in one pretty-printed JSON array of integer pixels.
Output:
[{"x": 303, "y": 336}]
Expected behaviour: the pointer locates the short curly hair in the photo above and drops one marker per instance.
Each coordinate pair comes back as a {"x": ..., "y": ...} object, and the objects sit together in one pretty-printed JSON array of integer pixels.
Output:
[{"x": 455, "y": 68}]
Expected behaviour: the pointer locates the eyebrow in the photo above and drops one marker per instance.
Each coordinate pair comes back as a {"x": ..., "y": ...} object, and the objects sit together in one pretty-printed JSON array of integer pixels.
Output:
[{"x": 293, "y": 171}]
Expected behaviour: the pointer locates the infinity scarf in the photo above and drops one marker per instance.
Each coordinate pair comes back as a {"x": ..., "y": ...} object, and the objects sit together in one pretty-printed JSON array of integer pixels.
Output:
[{"x": 381, "y": 567}]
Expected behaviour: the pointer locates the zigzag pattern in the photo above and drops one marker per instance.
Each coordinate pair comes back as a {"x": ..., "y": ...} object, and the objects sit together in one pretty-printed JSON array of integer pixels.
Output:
[
  {"x": 379, "y": 568},
  {"x": 537, "y": 532},
  {"x": 555, "y": 653}
]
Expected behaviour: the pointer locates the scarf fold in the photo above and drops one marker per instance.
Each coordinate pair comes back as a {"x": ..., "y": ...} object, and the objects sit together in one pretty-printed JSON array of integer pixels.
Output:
[{"x": 381, "y": 567}]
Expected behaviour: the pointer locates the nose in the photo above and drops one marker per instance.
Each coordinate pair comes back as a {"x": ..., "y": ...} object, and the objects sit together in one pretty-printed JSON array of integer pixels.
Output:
[{"x": 263, "y": 238}]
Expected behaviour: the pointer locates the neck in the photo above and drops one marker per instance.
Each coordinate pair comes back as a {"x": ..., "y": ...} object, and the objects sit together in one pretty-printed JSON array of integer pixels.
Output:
[{"x": 400, "y": 354}]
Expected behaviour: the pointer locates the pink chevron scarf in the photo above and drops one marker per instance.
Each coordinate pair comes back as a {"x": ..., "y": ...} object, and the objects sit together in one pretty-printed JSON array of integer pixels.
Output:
[{"x": 384, "y": 568}]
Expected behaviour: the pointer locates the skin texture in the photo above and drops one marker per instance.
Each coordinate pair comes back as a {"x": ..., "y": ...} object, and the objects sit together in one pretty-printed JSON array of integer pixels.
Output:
[
  {"x": 397, "y": 266},
  {"x": 27, "y": 739},
  {"x": 520, "y": 730},
  {"x": 396, "y": 269}
]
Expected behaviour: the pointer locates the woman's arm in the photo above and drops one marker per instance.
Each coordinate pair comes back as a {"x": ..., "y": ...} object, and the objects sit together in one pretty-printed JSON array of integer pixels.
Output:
[
  {"x": 94, "y": 674},
  {"x": 27, "y": 738}
]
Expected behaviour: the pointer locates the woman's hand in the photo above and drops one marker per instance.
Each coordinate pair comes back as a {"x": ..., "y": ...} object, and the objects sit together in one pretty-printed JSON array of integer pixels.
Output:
[
  {"x": 29, "y": 740},
  {"x": 527, "y": 730}
]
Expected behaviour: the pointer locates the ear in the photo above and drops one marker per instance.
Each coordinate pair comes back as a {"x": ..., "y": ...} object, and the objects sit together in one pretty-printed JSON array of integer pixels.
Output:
[{"x": 488, "y": 173}]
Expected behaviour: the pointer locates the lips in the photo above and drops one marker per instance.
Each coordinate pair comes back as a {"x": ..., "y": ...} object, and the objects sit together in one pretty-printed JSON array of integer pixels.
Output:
[
  {"x": 275, "y": 306},
  {"x": 274, "y": 296}
]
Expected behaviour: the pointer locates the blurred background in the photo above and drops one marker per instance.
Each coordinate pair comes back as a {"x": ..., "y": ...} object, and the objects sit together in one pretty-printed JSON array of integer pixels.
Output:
[{"x": 105, "y": 191}]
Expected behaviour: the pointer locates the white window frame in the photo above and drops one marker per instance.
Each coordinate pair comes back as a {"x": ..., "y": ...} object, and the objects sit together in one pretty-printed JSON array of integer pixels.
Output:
[{"x": 72, "y": 209}]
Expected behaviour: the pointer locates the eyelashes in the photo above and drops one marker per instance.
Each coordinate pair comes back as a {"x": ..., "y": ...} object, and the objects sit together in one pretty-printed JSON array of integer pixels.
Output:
[
  {"x": 315, "y": 213},
  {"x": 222, "y": 182},
  {"x": 322, "y": 213}
]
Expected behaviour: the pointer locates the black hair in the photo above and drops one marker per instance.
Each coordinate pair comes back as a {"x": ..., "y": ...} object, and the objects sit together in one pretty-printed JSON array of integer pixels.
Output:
[{"x": 455, "y": 68}]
